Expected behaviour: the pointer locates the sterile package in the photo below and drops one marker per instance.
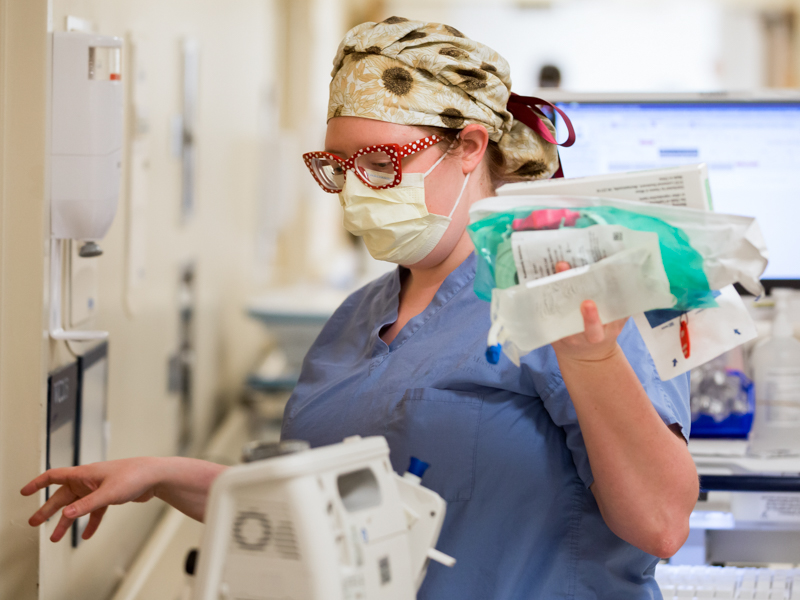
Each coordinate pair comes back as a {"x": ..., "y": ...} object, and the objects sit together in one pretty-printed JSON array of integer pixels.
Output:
[
  {"x": 714, "y": 332},
  {"x": 537, "y": 252},
  {"x": 711, "y": 332},
  {"x": 541, "y": 311},
  {"x": 686, "y": 185},
  {"x": 731, "y": 247},
  {"x": 631, "y": 258}
]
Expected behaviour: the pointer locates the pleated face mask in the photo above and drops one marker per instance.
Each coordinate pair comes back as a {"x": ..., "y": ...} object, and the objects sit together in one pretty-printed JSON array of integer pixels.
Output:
[{"x": 395, "y": 222}]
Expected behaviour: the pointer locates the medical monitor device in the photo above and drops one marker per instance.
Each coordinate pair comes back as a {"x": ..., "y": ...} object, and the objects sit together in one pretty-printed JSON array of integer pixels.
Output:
[
  {"x": 750, "y": 143},
  {"x": 329, "y": 523}
]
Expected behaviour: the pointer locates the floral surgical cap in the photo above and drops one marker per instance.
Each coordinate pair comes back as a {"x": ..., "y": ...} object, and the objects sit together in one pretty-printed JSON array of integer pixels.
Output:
[{"x": 429, "y": 74}]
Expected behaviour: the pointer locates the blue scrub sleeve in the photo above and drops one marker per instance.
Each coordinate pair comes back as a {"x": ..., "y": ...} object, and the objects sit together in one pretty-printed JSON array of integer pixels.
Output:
[{"x": 670, "y": 398}]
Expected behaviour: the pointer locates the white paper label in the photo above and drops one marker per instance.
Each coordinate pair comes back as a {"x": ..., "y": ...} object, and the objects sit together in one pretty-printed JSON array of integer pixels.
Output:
[
  {"x": 537, "y": 252},
  {"x": 774, "y": 507},
  {"x": 782, "y": 397}
]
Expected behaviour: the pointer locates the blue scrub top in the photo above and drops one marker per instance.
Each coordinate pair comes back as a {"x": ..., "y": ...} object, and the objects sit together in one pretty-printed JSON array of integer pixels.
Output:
[{"x": 503, "y": 442}]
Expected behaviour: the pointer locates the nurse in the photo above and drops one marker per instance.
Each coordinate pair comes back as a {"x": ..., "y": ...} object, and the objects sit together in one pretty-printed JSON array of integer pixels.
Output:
[{"x": 566, "y": 477}]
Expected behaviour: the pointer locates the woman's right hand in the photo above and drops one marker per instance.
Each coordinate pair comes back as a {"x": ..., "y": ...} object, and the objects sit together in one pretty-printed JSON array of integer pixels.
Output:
[
  {"x": 183, "y": 483},
  {"x": 90, "y": 489}
]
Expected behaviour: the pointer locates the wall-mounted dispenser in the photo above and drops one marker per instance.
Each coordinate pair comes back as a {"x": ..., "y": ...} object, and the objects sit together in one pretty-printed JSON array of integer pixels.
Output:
[
  {"x": 86, "y": 156},
  {"x": 86, "y": 134}
]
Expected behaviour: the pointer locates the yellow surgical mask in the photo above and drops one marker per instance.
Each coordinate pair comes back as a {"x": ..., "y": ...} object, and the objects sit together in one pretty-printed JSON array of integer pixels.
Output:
[{"x": 395, "y": 223}]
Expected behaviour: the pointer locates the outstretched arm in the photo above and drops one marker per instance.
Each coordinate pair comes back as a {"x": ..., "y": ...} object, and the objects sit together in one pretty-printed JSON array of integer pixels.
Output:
[{"x": 90, "y": 489}]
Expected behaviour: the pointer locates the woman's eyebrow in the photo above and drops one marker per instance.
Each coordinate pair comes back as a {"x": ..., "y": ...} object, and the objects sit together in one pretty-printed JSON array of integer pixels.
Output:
[{"x": 336, "y": 152}]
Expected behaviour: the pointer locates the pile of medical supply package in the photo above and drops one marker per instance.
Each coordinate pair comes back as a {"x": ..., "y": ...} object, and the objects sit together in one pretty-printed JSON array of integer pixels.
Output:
[{"x": 641, "y": 244}]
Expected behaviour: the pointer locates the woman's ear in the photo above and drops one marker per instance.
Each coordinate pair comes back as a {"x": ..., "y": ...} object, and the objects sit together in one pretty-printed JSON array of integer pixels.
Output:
[{"x": 474, "y": 141}]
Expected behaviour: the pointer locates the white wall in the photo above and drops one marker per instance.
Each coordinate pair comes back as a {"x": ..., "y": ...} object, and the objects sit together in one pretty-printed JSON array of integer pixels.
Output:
[
  {"x": 614, "y": 45},
  {"x": 237, "y": 68}
]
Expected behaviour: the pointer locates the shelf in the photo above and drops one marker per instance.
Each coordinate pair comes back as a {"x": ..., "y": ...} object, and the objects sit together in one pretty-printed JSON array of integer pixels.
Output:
[
  {"x": 749, "y": 483},
  {"x": 262, "y": 384},
  {"x": 296, "y": 305}
]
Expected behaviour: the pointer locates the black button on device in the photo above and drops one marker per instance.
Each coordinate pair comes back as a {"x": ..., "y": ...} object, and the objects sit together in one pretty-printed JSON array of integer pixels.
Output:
[{"x": 191, "y": 562}]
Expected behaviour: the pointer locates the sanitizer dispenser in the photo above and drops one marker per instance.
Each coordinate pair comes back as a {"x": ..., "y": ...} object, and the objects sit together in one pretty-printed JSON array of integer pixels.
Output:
[
  {"x": 86, "y": 135},
  {"x": 86, "y": 154}
]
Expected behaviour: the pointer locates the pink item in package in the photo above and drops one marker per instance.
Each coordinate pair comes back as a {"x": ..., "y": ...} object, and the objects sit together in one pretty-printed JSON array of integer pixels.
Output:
[{"x": 547, "y": 218}]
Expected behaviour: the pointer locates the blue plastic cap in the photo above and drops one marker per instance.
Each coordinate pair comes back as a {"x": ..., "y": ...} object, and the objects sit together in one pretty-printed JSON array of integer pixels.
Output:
[
  {"x": 493, "y": 354},
  {"x": 417, "y": 467}
]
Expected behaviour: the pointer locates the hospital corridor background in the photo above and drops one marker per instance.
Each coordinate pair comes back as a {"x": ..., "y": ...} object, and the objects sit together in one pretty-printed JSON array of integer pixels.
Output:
[{"x": 169, "y": 314}]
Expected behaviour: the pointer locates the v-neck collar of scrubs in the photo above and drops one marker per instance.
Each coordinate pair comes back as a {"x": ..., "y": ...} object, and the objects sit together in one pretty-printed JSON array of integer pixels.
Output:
[{"x": 461, "y": 276}]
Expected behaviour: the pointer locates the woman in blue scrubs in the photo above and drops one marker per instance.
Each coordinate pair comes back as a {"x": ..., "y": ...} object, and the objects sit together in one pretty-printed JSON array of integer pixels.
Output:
[{"x": 565, "y": 477}]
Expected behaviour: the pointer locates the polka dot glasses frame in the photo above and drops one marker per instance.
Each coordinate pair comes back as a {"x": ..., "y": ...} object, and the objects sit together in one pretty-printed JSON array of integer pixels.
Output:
[{"x": 378, "y": 167}]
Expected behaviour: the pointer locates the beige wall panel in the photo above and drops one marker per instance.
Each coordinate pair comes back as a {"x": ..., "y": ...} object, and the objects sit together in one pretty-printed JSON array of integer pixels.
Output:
[
  {"x": 23, "y": 62},
  {"x": 235, "y": 69}
]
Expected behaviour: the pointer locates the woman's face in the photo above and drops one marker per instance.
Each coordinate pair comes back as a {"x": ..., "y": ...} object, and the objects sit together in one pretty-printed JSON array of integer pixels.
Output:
[{"x": 347, "y": 135}]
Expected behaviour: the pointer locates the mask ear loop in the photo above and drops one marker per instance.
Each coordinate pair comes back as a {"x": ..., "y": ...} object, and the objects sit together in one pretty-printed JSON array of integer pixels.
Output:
[
  {"x": 463, "y": 187},
  {"x": 440, "y": 159},
  {"x": 461, "y": 193}
]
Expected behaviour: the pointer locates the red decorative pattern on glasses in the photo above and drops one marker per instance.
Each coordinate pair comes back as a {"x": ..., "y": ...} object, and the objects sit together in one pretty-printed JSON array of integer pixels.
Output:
[{"x": 330, "y": 171}]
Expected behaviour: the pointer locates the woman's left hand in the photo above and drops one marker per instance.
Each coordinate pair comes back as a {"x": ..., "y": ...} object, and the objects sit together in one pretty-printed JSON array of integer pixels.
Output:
[
  {"x": 644, "y": 479},
  {"x": 596, "y": 342}
]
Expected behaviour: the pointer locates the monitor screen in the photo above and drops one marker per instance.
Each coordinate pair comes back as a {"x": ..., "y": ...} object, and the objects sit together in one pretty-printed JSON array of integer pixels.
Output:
[{"x": 752, "y": 150}]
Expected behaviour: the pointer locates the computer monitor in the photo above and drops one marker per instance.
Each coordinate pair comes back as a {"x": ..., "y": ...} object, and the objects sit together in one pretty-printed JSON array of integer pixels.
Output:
[{"x": 751, "y": 144}]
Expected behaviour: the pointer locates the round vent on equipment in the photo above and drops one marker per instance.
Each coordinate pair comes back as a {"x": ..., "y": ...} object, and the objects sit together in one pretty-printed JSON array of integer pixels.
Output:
[{"x": 252, "y": 530}]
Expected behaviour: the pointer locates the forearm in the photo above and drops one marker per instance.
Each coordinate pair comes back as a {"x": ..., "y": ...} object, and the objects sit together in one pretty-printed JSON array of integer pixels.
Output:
[
  {"x": 184, "y": 483},
  {"x": 645, "y": 481}
]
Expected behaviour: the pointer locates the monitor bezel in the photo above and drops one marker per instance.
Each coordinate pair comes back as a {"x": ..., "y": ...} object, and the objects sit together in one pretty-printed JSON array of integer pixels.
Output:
[
  {"x": 560, "y": 97},
  {"x": 743, "y": 97}
]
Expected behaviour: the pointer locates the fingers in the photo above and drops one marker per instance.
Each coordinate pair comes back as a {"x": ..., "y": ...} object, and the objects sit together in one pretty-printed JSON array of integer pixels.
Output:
[
  {"x": 63, "y": 527},
  {"x": 62, "y": 497},
  {"x": 562, "y": 266},
  {"x": 593, "y": 327},
  {"x": 94, "y": 523},
  {"x": 66, "y": 522},
  {"x": 47, "y": 478},
  {"x": 97, "y": 500}
]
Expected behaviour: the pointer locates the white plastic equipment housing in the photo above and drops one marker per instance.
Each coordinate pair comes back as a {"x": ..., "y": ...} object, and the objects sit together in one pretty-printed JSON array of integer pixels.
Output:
[
  {"x": 332, "y": 523},
  {"x": 86, "y": 141},
  {"x": 57, "y": 331},
  {"x": 86, "y": 151}
]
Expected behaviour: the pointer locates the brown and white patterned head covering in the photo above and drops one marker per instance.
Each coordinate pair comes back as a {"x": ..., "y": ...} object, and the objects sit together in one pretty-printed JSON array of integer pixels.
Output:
[{"x": 417, "y": 73}]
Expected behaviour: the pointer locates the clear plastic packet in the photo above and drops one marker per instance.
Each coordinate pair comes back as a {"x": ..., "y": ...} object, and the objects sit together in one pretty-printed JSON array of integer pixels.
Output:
[
  {"x": 630, "y": 258},
  {"x": 701, "y": 251},
  {"x": 539, "y": 312}
]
